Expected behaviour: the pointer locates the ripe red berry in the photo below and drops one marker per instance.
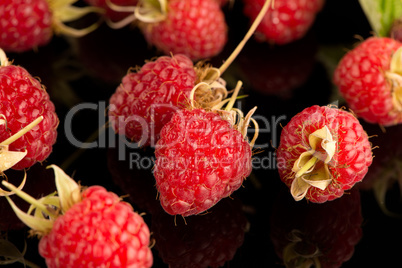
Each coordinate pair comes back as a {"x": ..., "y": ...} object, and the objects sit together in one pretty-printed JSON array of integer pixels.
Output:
[
  {"x": 94, "y": 228},
  {"x": 25, "y": 25},
  {"x": 202, "y": 156},
  {"x": 146, "y": 100},
  {"x": 196, "y": 28},
  {"x": 23, "y": 99},
  {"x": 369, "y": 78},
  {"x": 286, "y": 22},
  {"x": 323, "y": 151},
  {"x": 200, "y": 159}
]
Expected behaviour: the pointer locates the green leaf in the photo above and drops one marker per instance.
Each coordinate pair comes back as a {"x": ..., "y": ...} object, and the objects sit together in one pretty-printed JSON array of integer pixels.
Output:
[{"x": 381, "y": 14}]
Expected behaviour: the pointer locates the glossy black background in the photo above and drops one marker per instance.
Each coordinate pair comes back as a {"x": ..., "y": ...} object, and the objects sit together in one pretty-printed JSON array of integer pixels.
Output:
[{"x": 88, "y": 70}]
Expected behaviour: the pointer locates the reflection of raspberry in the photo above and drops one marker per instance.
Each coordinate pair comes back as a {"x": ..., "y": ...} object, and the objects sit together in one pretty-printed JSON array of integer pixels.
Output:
[
  {"x": 321, "y": 234},
  {"x": 146, "y": 100},
  {"x": 134, "y": 177},
  {"x": 323, "y": 151},
  {"x": 277, "y": 70},
  {"x": 209, "y": 240},
  {"x": 22, "y": 100},
  {"x": 200, "y": 159}
]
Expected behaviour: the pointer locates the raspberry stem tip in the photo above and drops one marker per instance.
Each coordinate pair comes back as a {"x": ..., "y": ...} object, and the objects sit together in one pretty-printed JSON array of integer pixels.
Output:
[
  {"x": 9, "y": 158},
  {"x": 5, "y": 193},
  {"x": 22, "y": 131},
  {"x": 249, "y": 33}
]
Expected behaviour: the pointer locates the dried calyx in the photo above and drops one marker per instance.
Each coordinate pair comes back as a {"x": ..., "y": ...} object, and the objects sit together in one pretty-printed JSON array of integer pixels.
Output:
[
  {"x": 233, "y": 115},
  {"x": 3, "y": 59},
  {"x": 300, "y": 253},
  {"x": 65, "y": 11},
  {"x": 147, "y": 11},
  {"x": 311, "y": 168},
  {"x": 43, "y": 212},
  {"x": 394, "y": 75},
  {"x": 9, "y": 158},
  {"x": 210, "y": 88}
]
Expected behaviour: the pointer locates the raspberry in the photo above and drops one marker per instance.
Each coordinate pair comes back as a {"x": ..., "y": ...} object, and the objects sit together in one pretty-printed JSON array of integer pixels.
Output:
[
  {"x": 286, "y": 22},
  {"x": 368, "y": 82},
  {"x": 95, "y": 228},
  {"x": 209, "y": 240},
  {"x": 195, "y": 28},
  {"x": 323, "y": 235},
  {"x": 23, "y": 99},
  {"x": 200, "y": 159},
  {"x": 25, "y": 25},
  {"x": 146, "y": 100},
  {"x": 323, "y": 151}
]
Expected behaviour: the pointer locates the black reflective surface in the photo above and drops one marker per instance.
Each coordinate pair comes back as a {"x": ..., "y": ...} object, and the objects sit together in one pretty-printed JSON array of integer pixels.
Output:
[{"x": 260, "y": 220}]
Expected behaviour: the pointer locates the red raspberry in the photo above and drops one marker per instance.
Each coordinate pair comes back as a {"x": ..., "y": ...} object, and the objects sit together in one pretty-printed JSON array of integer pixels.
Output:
[
  {"x": 287, "y": 21},
  {"x": 22, "y": 100},
  {"x": 319, "y": 235},
  {"x": 146, "y": 100},
  {"x": 25, "y": 25},
  {"x": 196, "y": 28},
  {"x": 95, "y": 228},
  {"x": 200, "y": 159},
  {"x": 368, "y": 82},
  {"x": 323, "y": 151}
]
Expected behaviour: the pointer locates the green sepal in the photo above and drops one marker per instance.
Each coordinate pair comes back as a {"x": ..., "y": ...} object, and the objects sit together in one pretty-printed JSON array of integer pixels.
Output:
[
  {"x": 381, "y": 14},
  {"x": 40, "y": 225},
  {"x": 68, "y": 190}
]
